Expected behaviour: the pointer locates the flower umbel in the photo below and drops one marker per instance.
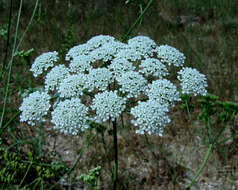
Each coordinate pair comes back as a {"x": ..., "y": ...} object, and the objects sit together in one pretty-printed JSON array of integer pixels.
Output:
[
  {"x": 153, "y": 67},
  {"x": 104, "y": 78},
  {"x": 150, "y": 117},
  {"x": 35, "y": 107},
  {"x": 170, "y": 55},
  {"x": 43, "y": 62},
  {"x": 192, "y": 81},
  {"x": 132, "y": 83},
  {"x": 55, "y": 77},
  {"x": 108, "y": 105},
  {"x": 70, "y": 116},
  {"x": 99, "y": 78},
  {"x": 73, "y": 86},
  {"x": 163, "y": 91}
]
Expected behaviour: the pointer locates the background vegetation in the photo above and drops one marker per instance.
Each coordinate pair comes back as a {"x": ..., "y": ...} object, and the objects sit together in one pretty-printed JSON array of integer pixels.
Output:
[{"x": 206, "y": 31}]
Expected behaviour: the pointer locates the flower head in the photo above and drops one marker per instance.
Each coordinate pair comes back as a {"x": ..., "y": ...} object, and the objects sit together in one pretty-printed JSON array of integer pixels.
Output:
[
  {"x": 150, "y": 117},
  {"x": 55, "y": 76},
  {"x": 143, "y": 44},
  {"x": 73, "y": 86},
  {"x": 35, "y": 107},
  {"x": 81, "y": 64},
  {"x": 154, "y": 67},
  {"x": 70, "y": 116},
  {"x": 132, "y": 83},
  {"x": 108, "y": 105},
  {"x": 99, "y": 78},
  {"x": 107, "y": 51},
  {"x": 81, "y": 49},
  {"x": 192, "y": 81},
  {"x": 163, "y": 91},
  {"x": 43, "y": 62},
  {"x": 119, "y": 66},
  {"x": 99, "y": 40},
  {"x": 130, "y": 54},
  {"x": 170, "y": 55}
]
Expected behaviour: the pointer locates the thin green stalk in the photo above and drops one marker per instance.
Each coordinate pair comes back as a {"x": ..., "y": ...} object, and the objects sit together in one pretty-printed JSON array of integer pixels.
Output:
[
  {"x": 202, "y": 166},
  {"x": 137, "y": 21},
  {"x": 10, "y": 66},
  {"x": 228, "y": 138},
  {"x": 8, "y": 39},
  {"x": 9, "y": 121},
  {"x": 188, "y": 111},
  {"x": 115, "y": 171},
  {"x": 36, "y": 184},
  {"x": 139, "y": 24},
  {"x": 28, "y": 169},
  {"x": 28, "y": 26},
  {"x": 70, "y": 181},
  {"x": 41, "y": 185},
  {"x": 14, "y": 50}
]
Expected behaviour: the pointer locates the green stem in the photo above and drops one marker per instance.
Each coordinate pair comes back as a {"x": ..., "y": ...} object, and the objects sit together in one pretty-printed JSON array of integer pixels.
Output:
[
  {"x": 228, "y": 138},
  {"x": 189, "y": 115},
  {"x": 28, "y": 26},
  {"x": 8, "y": 123},
  {"x": 8, "y": 38},
  {"x": 10, "y": 66},
  {"x": 28, "y": 169},
  {"x": 14, "y": 50},
  {"x": 137, "y": 21},
  {"x": 202, "y": 166}
]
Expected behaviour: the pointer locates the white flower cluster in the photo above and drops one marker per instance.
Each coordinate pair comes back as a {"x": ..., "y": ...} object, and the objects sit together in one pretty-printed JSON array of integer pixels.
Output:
[
  {"x": 163, "y": 91},
  {"x": 35, "y": 107},
  {"x": 192, "y": 81},
  {"x": 108, "y": 105},
  {"x": 119, "y": 66},
  {"x": 81, "y": 49},
  {"x": 43, "y": 62},
  {"x": 153, "y": 67},
  {"x": 132, "y": 83},
  {"x": 99, "y": 40},
  {"x": 150, "y": 117},
  {"x": 170, "y": 55},
  {"x": 81, "y": 64},
  {"x": 55, "y": 77},
  {"x": 143, "y": 44},
  {"x": 99, "y": 78},
  {"x": 106, "y": 74},
  {"x": 73, "y": 86},
  {"x": 70, "y": 116},
  {"x": 107, "y": 51},
  {"x": 129, "y": 54}
]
